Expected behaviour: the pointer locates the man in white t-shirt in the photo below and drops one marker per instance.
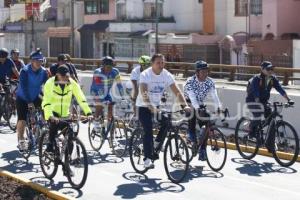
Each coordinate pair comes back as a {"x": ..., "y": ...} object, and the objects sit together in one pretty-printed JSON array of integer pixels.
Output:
[
  {"x": 145, "y": 62},
  {"x": 153, "y": 82}
]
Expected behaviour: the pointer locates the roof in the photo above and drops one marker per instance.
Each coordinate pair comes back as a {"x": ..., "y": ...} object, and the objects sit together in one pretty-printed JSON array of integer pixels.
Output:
[
  {"x": 62, "y": 32},
  {"x": 99, "y": 26}
]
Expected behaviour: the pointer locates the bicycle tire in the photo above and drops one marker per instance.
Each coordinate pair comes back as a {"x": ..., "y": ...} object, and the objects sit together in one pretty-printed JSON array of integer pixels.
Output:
[
  {"x": 92, "y": 135},
  {"x": 136, "y": 150},
  {"x": 43, "y": 141},
  {"x": 179, "y": 142},
  {"x": 239, "y": 147},
  {"x": 183, "y": 129},
  {"x": 85, "y": 165},
  {"x": 116, "y": 134},
  {"x": 295, "y": 135},
  {"x": 9, "y": 112},
  {"x": 215, "y": 144}
]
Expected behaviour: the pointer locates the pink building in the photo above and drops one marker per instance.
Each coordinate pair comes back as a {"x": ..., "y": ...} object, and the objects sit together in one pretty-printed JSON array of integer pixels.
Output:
[{"x": 95, "y": 10}]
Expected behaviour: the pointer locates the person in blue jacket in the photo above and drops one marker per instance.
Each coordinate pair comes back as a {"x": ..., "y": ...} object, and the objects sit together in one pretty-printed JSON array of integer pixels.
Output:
[{"x": 32, "y": 78}]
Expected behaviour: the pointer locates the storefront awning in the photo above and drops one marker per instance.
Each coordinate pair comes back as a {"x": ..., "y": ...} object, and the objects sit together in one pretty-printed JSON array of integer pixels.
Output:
[
  {"x": 59, "y": 32},
  {"x": 99, "y": 26}
]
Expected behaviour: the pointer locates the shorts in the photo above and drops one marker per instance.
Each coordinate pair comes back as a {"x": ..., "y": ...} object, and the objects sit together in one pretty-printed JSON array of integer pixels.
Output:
[
  {"x": 22, "y": 107},
  {"x": 107, "y": 98}
]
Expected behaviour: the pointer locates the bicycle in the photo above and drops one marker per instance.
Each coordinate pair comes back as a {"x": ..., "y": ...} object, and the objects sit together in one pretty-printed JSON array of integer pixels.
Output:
[
  {"x": 285, "y": 136},
  {"x": 175, "y": 147},
  {"x": 35, "y": 126},
  {"x": 69, "y": 151},
  {"x": 8, "y": 104},
  {"x": 117, "y": 140},
  {"x": 212, "y": 138}
]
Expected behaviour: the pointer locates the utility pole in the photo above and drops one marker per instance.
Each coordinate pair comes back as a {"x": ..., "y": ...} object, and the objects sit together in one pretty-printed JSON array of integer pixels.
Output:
[
  {"x": 32, "y": 45},
  {"x": 156, "y": 27},
  {"x": 72, "y": 48}
]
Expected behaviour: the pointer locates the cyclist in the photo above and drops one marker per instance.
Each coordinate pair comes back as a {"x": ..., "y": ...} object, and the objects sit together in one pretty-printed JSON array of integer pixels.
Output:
[
  {"x": 62, "y": 60},
  {"x": 58, "y": 92},
  {"x": 19, "y": 63},
  {"x": 153, "y": 82},
  {"x": 101, "y": 88},
  {"x": 144, "y": 62},
  {"x": 7, "y": 68},
  {"x": 69, "y": 62},
  {"x": 258, "y": 95},
  {"x": 32, "y": 77},
  {"x": 196, "y": 90}
]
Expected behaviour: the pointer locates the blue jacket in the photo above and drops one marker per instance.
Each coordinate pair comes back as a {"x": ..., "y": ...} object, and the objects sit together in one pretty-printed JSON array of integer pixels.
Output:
[
  {"x": 6, "y": 70},
  {"x": 258, "y": 88},
  {"x": 30, "y": 85}
]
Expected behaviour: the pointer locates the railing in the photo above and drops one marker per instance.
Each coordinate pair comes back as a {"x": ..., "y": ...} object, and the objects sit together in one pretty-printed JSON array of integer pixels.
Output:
[{"x": 181, "y": 69}]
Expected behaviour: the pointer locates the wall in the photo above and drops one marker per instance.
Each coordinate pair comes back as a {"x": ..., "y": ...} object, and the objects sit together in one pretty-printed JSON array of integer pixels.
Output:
[
  {"x": 135, "y": 26},
  {"x": 4, "y": 15},
  {"x": 15, "y": 40},
  {"x": 91, "y": 19},
  {"x": 296, "y": 57},
  {"x": 288, "y": 11},
  {"x": 17, "y": 12},
  {"x": 270, "y": 12},
  {"x": 134, "y": 9}
]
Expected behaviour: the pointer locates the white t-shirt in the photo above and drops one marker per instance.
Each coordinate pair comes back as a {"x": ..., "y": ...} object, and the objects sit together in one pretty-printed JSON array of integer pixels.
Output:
[
  {"x": 156, "y": 85},
  {"x": 135, "y": 74}
]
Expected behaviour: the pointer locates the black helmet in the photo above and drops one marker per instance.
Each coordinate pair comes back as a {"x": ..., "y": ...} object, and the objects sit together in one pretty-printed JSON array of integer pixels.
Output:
[
  {"x": 107, "y": 60},
  {"x": 3, "y": 53},
  {"x": 14, "y": 51},
  {"x": 62, "y": 57},
  {"x": 200, "y": 65}
]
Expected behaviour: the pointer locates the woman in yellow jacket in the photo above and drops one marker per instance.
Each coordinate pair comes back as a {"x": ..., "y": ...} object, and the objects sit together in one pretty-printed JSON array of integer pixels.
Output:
[{"x": 58, "y": 92}]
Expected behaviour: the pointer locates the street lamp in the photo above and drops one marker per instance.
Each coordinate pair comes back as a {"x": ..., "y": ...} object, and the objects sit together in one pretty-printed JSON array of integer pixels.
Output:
[{"x": 156, "y": 26}]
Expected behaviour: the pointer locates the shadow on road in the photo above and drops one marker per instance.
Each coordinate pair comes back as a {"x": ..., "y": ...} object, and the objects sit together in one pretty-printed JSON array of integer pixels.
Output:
[
  {"x": 253, "y": 168},
  {"x": 199, "y": 172},
  {"x": 62, "y": 187},
  {"x": 16, "y": 164},
  {"x": 95, "y": 158},
  {"x": 142, "y": 185}
]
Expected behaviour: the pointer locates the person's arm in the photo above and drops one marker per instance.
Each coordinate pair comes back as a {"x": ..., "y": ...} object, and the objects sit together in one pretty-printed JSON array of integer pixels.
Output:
[
  {"x": 119, "y": 84},
  {"x": 178, "y": 94},
  {"x": 255, "y": 88},
  {"x": 80, "y": 98},
  {"x": 23, "y": 84},
  {"x": 47, "y": 101},
  {"x": 135, "y": 90},
  {"x": 215, "y": 97},
  {"x": 279, "y": 89}
]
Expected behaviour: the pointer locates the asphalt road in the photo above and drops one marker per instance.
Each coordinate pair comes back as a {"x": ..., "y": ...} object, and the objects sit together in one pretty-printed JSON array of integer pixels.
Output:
[{"x": 110, "y": 177}]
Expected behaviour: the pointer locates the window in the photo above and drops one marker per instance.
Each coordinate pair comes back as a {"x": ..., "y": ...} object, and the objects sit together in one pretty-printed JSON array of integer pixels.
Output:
[
  {"x": 241, "y": 7},
  {"x": 256, "y": 7},
  {"x": 104, "y": 6},
  {"x": 91, "y": 7},
  {"x": 150, "y": 11},
  {"x": 121, "y": 11}
]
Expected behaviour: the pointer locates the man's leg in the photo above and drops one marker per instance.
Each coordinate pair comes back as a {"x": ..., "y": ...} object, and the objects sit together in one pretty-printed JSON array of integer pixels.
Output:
[
  {"x": 257, "y": 113},
  {"x": 192, "y": 127},
  {"x": 22, "y": 109},
  {"x": 161, "y": 134}
]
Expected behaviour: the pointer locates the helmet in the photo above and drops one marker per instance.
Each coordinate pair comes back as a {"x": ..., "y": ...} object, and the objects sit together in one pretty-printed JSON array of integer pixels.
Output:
[
  {"x": 144, "y": 60},
  {"x": 14, "y": 51},
  {"x": 266, "y": 65},
  {"x": 107, "y": 60},
  {"x": 200, "y": 65},
  {"x": 37, "y": 55},
  {"x": 61, "y": 57},
  {"x": 3, "y": 53}
]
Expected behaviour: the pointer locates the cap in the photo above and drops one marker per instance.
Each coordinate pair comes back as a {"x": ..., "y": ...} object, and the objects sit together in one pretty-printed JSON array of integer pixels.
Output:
[
  {"x": 201, "y": 65},
  {"x": 14, "y": 51},
  {"x": 266, "y": 65},
  {"x": 62, "y": 57},
  {"x": 37, "y": 55},
  {"x": 63, "y": 70}
]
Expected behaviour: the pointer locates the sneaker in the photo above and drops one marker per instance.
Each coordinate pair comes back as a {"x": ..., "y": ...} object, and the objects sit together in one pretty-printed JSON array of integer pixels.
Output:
[
  {"x": 22, "y": 146},
  {"x": 155, "y": 156},
  {"x": 148, "y": 164},
  {"x": 202, "y": 155}
]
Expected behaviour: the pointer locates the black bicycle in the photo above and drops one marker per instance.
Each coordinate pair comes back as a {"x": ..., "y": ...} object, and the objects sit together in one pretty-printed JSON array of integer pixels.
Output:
[
  {"x": 285, "y": 138},
  {"x": 69, "y": 152},
  {"x": 115, "y": 131},
  {"x": 175, "y": 151},
  {"x": 212, "y": 138}
]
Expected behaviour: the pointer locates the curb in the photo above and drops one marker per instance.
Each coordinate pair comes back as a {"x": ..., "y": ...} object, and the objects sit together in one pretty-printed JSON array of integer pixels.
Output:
[
  {"x": 48, "y": 192},
  {"x": 261, "y": 151}
]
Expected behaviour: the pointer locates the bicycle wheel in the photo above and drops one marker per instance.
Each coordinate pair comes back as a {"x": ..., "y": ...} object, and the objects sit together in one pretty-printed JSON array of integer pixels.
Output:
[
  {"x": 10, "y": 115},
  {"x": 183, "y": 132},
  {"x": 119, "y": 139},
  {"x": 176, "y": 158},
  {"x": 136, "y": 151},
  {"x": 95, "y": 137},
  {"x": 48, "y": 162},
  {"x": 216, "y": 150},
  {"x": 246, "y": 146},
  {"x": 76, "y": 163},
  {"x": 286, "y": 144}
]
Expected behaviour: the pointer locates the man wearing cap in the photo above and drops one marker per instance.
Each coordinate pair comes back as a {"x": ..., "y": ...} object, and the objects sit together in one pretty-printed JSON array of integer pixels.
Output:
[
  {"x": 62, "y": 59},
  {"x": 7, "y": 67},
  {"x": 58, "y": 92},
  {"x": 32, "y": 77},
  {"x": 196, "y": 90},
  {"x": 19, "y": 63},
  {"x": 258, "y": 95}
]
